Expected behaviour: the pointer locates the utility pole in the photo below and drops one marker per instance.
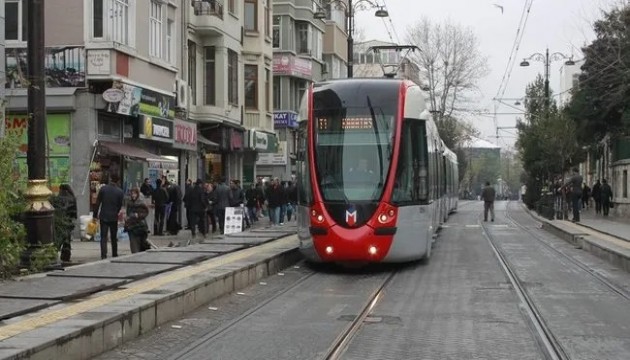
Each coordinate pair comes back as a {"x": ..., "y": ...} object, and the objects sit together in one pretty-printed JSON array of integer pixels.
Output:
[{"x": 39, "y": 211}]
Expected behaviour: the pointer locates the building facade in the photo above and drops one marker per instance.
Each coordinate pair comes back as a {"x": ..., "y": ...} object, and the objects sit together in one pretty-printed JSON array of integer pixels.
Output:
[
  {"x": 372, "y": 64},
  {"x": 305, "y": 50},
  {"x": 112, "y": 106}
]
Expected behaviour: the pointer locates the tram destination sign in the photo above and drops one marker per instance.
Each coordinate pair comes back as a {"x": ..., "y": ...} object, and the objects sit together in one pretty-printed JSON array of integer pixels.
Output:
[{"x": 347, "y": 123}]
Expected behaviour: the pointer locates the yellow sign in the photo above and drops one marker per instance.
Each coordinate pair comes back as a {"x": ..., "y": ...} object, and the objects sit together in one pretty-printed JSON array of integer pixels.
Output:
[{"x": 148, "y": 127}]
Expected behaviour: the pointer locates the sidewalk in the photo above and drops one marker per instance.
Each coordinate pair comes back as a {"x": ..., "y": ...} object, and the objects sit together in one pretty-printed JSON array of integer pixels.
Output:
[
  {"x": 90, "y": 251},
  {"x": 613, "y": 226}
]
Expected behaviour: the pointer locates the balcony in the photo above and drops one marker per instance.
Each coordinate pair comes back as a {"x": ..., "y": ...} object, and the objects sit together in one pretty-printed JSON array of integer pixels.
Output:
[
  {"x": 258, "y": 120},
  {"x": 208, "y": 17}
]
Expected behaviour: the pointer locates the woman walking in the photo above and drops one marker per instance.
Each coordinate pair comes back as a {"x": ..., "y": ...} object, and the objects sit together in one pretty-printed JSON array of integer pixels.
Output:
[{"x": 136, "y": 224}]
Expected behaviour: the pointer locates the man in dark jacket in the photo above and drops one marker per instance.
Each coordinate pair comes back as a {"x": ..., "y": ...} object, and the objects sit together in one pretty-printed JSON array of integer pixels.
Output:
[
  {"x": 275, "y": 197},
  {"x": 488, "y": 195},
  {"x": 197, "y": 201},
  {"x": 596, "y": 193},
  {"x": 607, "y": 196},
  {"x": 108, "y": 204},
  {"x": 575, "y": 186},
  {"x": 146, "y": 188},
  {"x": 222, "y": 201}
]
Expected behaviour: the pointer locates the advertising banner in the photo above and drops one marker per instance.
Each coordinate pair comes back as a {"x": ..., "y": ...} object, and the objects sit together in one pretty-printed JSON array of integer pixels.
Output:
[
  {"x": 278, "y": 158},
  {"x": 130, "y": 104},
  {"x": 58, "y": 134},
  {"x": 185, "y": 136},
  {"x": 155, "y": 128},
  {"x": 233, "y": 220},
  {"x": 285, "y": 119},
  {"x": 290, "y": 65},
  {"x": 154, "y": 103}
]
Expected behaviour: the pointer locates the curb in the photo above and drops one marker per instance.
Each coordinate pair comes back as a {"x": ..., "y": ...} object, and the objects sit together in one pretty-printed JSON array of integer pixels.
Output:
[
  {"x": 103, "y": 328},
  {"x": 605, "y": 250}
]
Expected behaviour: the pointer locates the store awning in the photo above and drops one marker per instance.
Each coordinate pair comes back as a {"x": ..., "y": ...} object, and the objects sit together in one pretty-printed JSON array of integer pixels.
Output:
[
  {"x": 202, "y": 139},
  {"x": 134, "y": 152}
]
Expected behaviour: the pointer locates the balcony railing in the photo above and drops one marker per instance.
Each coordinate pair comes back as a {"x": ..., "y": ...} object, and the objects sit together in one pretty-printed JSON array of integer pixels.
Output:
[{"x": 208, "y": 7}]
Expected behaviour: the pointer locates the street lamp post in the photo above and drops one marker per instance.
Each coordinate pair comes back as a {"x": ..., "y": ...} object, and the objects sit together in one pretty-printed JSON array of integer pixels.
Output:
[
  {"x": 547, "y": 60},
  {"x": 349, "y": 7},
  {"x": 39, "y": 211}
]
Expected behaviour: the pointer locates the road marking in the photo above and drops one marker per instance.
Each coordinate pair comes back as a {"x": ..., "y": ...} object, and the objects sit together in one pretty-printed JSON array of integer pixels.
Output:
[
  {"x": 473, "y": 226},
  {"x": 50, "y": 317}
]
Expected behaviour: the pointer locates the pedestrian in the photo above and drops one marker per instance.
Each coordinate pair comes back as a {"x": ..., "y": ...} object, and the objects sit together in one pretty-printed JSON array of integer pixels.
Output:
[
  {"x": 274, "y": 201},
  {"x": 68, "y": 206},
  {"x": 575, "y": 187},
  {"x": 596, "y": 193},
  {"x": 159, "y": 200},
  {"x": 222, "y": 201},
  {"x": 586, "y": 194},
  {"x": 292, "y": 200},
  {"x": 607, "y": 196},
  {"x": 488, "y": 195},
  {"x": 146, "y": 188},
  {"x": 198, "y": 202},
  {"x": 109, "y": 201},
  {"x": 175, "y": 201},
  {"x": 211, "y": 217},
  {"x": 135, "y": 223}
]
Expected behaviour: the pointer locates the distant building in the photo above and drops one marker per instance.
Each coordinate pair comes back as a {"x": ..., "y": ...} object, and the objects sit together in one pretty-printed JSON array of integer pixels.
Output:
[
  {"x": 569, "y": 81},
  {"x": 484, "y": 164},
  {"x": 369, "y": 64}
]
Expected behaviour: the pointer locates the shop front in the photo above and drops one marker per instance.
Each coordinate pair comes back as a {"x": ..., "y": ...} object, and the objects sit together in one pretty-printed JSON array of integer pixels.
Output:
[
  {"x": 227, "y": 158},
  {"x": 279, "y": 162},
  {"x": 186, "y": 140}
]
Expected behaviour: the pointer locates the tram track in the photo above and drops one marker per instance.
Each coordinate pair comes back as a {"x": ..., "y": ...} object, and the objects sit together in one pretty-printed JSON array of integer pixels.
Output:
[
  {"x": 600, "y": 278},
  {"x": 339, "y": 346},
  {"x": 549, "y": 344}
]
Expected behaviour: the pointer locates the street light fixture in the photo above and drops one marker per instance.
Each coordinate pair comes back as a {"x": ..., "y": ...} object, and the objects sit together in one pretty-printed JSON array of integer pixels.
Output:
[
  {"x": 547, "y": 60},
  {"x": 349, "y": 14}
]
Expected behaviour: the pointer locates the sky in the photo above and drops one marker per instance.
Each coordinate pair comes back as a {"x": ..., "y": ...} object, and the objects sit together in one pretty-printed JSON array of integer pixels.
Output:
[{"x": 561, "y": 25}]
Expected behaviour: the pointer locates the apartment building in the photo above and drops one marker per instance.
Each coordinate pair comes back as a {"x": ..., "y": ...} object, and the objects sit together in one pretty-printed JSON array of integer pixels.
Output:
[
  {"x": 369, "y": 63},
  {"x": 305, "y": 49},
  {"x": 111, "y": 94},
  {"x": 228, "y": 70}
]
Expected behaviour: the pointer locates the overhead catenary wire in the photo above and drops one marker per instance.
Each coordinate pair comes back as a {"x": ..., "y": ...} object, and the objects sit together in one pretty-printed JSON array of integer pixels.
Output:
[{"x": 391, "y": 23}]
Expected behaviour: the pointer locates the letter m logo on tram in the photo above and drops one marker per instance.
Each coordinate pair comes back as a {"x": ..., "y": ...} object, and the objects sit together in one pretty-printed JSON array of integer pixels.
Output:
[{"x": 351, "y": 215}]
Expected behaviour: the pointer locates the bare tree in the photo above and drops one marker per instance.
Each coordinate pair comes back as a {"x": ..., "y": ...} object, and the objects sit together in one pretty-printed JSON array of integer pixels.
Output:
[{"x": 450, "y": 62}]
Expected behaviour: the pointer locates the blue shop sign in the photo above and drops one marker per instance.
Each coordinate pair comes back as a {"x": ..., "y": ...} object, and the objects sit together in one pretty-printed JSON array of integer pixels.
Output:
[{"x": 284, "y": 119}]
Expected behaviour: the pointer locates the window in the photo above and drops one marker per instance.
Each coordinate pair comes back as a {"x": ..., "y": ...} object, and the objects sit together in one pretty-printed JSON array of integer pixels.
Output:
[
  {"x": 97, "y": 19},
  {"x": 119, "y": 21},
  {"x": 192, "y": 70},
  {"x": 210, "y": 76},
  {"x": 302, "y": 37},
  {"x": 276, "y": 32},
  {"x": 231, "y": 6},
  {"x": 16, "y": 20},
  {"x": 268, "y": 90},
  {"x": 625, "y": 183},
  {"x": 170, "y": 45},
  {"x": 276, "y": 94},
  {"x": 251, "y": 86},
  {"x": 155, "y": 29},
  {"x": 251, "y": 15},
  {"x": 232, "y": 77}
]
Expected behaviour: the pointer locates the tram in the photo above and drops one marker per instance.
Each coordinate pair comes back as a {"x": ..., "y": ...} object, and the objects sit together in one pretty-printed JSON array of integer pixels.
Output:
[{"x": 375, "y": 181}]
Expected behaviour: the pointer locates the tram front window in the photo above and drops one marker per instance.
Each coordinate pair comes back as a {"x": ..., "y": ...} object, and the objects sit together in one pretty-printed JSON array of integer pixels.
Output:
[{"x": 353, "y": 151}]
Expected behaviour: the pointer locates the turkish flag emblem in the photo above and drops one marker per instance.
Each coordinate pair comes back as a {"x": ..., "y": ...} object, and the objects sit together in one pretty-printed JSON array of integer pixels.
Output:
[{"x": 351, "y": 216}]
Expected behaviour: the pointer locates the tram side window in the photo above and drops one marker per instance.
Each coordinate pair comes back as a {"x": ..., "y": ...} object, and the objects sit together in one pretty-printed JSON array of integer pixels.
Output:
[{"x": 411, "y": 177}]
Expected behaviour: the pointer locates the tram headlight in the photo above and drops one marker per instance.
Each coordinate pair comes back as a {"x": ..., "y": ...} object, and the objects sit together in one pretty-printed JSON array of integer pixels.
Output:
[
  {"x": 372, "y": 250},
  {"x": 320, "y": 218},
  {"x": 383, "y": 218},
  {"x": 329, "y": 250}
]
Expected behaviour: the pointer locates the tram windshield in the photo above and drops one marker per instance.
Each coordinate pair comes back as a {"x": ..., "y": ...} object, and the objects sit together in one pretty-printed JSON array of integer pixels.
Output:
[{"x": 353, "y": 145}]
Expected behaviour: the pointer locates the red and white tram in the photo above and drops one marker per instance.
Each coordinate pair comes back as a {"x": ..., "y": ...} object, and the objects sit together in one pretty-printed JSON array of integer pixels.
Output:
[{"x": 375, "y": 180}]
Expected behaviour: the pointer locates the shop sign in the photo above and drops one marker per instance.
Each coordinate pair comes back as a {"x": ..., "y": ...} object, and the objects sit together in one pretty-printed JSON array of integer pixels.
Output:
[
  {"x": 155, "y": 128},
  {"x": 236, "y": 140},
  {"x": 113, "y": 95},
  {"x": 58, "y": 126},
  {"x": 185, "y": 135},
  {"x": 64, "y": 67},
  {"x": 262, "y": 142},
  {"x": 98, "y": 62},
  {"x": 153, "y": 103},
  {"x": 284, "y": 119},
  {"x": 130, "y": 102},
  {"x": 277, "y": 158},
  {"x": 163, "y": 165},
  {"x": 290, "y": 65}
]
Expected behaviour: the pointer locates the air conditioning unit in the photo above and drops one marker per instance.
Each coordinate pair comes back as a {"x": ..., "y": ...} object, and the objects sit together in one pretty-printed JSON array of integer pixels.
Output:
[{"x": 182, "y": 94}]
